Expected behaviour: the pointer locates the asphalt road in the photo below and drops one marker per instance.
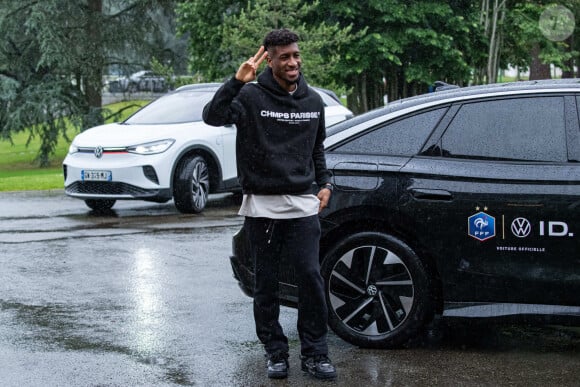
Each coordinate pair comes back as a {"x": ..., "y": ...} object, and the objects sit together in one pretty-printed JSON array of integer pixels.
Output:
[{"x": 144, "y": 296}]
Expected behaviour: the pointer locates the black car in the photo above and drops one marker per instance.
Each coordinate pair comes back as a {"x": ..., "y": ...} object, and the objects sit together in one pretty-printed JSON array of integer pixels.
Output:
[{"x": 459, "y": 203}]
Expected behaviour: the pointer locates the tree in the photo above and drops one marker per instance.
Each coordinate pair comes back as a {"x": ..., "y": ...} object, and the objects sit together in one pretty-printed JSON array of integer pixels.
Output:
[
  {"x": 228, "y": 32},
  {"x": 200, "y": 21},
  {"x": 528, "y": 44},
  {"x": 491, "y": 19},
  {"x": 406, "y": 46},
  {"x": 53, "y": 55},
  {"x": 320, "y": 44}
]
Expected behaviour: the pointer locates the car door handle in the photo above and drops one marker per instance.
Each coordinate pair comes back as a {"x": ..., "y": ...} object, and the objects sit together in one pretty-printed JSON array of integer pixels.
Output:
[{"x": 431, "y": 194}]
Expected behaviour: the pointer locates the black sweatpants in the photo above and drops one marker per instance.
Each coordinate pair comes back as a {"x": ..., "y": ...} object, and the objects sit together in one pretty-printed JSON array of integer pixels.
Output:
[{"x": 299, "y": 239}]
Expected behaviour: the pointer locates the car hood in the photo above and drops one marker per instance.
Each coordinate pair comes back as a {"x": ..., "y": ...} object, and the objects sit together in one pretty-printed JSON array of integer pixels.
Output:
[{"x": 121, "y": 135}]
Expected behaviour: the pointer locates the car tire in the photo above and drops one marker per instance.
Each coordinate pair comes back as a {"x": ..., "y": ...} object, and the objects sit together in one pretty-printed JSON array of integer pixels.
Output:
[
  {"x": 100, "y": 205},
  {"x": 377, "y": 291},
  {"x": 191, "y": 186},
  {"x": 114, "y": 87}
]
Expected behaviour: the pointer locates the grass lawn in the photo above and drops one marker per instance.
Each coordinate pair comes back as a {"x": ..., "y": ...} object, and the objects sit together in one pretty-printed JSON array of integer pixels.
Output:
[{"x": 20, "y": 172}]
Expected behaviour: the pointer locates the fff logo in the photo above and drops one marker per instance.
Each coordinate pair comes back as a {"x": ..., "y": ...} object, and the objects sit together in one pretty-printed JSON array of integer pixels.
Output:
[{"x": 481, "y": 226}]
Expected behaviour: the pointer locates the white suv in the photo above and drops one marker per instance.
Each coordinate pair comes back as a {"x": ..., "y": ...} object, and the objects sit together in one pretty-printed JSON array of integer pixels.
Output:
[{"x": 163, "y": 151}]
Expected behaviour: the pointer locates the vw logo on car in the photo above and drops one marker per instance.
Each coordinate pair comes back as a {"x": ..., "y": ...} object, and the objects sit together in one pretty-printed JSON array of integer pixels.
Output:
[
  {"x": 521, "y": 227},
  {"x": 99, "y": 152},
  {"x": 372, "y": 290}
]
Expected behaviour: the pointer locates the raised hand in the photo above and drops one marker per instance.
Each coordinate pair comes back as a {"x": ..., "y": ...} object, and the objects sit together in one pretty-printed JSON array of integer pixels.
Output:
[{"x": 247, "y": 71}]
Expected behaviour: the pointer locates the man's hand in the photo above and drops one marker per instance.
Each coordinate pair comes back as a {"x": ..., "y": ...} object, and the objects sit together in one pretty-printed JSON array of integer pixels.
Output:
[
  {"x": 247, "y": 71},
  {"x": 324, "y": 197}
]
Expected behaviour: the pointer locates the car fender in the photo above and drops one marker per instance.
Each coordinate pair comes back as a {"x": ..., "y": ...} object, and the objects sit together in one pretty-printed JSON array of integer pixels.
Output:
[
  {"x": 210, "y": 157},
  {"x": 355, "y": 219}
]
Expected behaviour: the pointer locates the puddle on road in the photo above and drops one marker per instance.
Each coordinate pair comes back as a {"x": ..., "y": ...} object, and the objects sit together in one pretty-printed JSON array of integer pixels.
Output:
[{"x": 56, "y": 327}]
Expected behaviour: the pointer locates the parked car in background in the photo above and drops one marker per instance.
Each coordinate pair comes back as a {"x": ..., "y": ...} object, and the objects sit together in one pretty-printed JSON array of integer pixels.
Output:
[
  {"x": 164, "y": 151},
  {"x": 461, "y": 203},
  {"x": 144, "y": 80}
]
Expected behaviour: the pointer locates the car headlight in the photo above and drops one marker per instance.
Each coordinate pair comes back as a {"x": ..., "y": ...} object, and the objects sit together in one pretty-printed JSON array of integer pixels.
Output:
[
  {"x": 72, "y": 149},
  {"x": 151, "y": 148}
]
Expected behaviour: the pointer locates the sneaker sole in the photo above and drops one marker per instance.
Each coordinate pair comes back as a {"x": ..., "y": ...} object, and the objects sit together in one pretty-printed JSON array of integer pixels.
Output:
[
  {"x": 321, "y": 376},
  {"x": 277, "y": 375}
]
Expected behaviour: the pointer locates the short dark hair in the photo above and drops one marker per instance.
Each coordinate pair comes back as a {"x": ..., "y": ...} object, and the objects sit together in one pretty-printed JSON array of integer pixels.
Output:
[{"x": 281, "y": 37}]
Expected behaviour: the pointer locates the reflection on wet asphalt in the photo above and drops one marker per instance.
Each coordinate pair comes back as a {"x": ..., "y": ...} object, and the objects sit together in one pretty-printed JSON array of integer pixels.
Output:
[{"x": 145, "y": 296}]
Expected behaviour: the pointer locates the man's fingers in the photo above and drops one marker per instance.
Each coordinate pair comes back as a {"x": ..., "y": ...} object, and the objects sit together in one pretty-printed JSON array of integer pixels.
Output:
[
  {"x": 259, "y": 61},
  {"x": 258, "y": 58},
  {"x": 247, "y": 70}
]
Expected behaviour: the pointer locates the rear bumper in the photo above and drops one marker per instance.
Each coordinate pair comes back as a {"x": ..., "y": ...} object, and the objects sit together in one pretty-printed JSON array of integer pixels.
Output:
[
  {"x": 244, "y": 277},
  {"x": 242, "y": 267}
]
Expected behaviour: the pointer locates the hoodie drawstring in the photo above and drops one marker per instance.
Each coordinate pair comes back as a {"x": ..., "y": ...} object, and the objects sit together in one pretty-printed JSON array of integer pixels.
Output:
[{"x": 270, "y": 230}]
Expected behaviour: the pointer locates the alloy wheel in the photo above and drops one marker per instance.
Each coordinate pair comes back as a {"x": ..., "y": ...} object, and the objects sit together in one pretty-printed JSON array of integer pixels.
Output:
[{"x": 200, "y": 185}]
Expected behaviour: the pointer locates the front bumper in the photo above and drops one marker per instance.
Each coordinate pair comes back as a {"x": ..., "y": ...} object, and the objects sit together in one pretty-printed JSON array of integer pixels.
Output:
[
  {"x": 114, "y": 190},
  {"x": 131, "y": 177}
]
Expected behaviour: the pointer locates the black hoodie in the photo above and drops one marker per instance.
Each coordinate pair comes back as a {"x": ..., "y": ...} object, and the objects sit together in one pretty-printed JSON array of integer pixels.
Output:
[{"x": 279, "y": 142}]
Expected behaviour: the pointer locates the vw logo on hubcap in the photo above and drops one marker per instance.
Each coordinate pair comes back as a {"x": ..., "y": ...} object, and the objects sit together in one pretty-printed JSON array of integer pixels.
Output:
[
  {"x": 372, "y": 290},
  {"x": 99, "y": 152}
]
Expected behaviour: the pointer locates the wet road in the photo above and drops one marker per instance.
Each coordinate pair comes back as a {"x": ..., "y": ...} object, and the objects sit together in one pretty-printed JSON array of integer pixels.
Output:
[{"x": 144, "y": 296}]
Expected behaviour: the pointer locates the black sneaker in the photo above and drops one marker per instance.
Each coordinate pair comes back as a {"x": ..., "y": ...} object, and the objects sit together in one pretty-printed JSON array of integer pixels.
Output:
[
  {"x": 318, "y": 366},
  {"x": 278, "y": 366}
]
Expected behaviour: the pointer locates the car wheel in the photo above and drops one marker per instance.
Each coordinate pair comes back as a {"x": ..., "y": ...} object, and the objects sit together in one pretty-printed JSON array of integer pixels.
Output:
[
  {"x": 191, "y": 186},
  {"x": 100, "y": 205},
  {"x": 114, "y": 87},
  {"x": 377, "y": 290}
]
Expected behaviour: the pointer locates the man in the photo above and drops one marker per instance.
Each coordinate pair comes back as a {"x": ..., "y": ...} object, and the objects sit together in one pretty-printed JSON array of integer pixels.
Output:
[{"x": 280, "y": 154}]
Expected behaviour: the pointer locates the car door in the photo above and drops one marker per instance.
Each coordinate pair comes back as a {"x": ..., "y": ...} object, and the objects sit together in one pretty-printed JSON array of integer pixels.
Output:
[
  {"x": 229, "y": 171},
  {"x": 496, "y": 200},
  {"x": 370, "y": 161}
]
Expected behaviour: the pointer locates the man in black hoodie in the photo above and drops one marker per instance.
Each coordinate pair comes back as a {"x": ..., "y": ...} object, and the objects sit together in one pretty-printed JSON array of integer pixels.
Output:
[{"x": 280, "y": 154}]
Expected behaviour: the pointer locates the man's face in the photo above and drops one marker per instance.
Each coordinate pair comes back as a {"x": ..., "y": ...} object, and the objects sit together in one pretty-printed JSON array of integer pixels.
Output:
[{"x": 285, "y": 63}]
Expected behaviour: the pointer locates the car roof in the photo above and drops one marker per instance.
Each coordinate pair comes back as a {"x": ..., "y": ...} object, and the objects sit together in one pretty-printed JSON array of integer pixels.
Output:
[
  {"x": 569, "y": 83},
  {"x": 201, "y": 86},
  {"x": 213, "y": 86},
  {"x": 450, "y": 94}
]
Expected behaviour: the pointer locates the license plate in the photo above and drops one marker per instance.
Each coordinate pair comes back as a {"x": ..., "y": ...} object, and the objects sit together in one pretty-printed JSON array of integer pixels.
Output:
[{"x": 92, "y": 175}]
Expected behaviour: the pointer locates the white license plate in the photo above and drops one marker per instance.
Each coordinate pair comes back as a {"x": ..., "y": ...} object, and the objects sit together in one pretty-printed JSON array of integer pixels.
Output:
[{"x": 93, "y": 175}]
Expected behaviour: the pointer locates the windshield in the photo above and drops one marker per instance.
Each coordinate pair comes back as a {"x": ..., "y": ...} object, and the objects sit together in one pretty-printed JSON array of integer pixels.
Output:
[
  {"x": 327, "y": 99},
  {"x": 176, "y": 108}
]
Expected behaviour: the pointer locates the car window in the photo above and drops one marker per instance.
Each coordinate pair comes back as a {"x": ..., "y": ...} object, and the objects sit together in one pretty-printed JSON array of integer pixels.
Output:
[
  {"x": 405, "y": 137},
  {"x": 181, "y": 107},
  {"x": 327, "y": 100},
  {"x": 528, "y": 129}
]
